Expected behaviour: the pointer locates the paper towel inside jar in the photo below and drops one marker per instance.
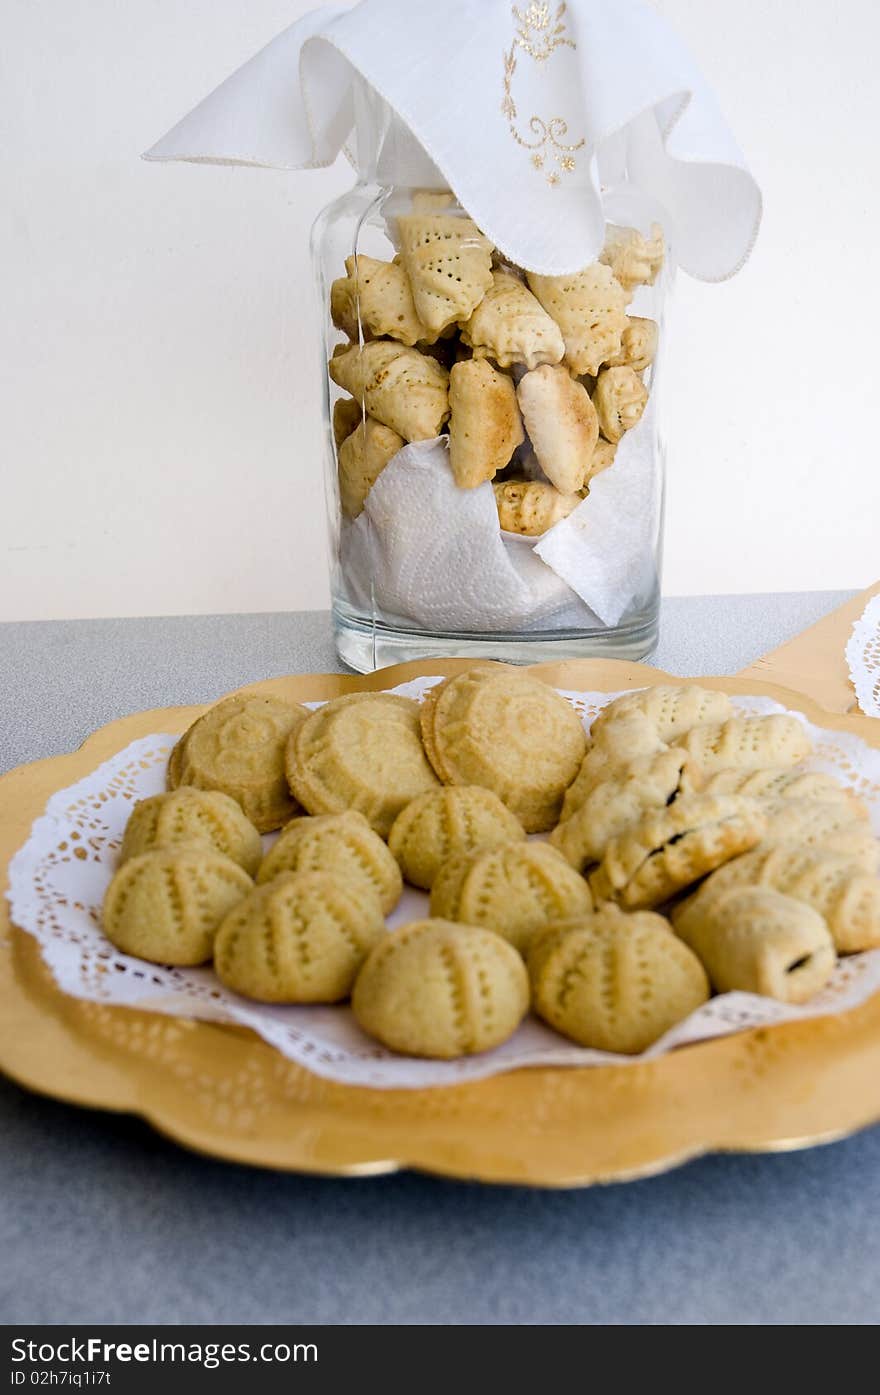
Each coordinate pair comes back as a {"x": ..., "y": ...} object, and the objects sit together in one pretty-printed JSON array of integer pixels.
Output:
[{"x": 427, "y": 553}]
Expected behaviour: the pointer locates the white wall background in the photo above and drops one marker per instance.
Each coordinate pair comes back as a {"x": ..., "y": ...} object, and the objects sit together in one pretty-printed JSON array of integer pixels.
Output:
[{"x": 158, "y": 401}]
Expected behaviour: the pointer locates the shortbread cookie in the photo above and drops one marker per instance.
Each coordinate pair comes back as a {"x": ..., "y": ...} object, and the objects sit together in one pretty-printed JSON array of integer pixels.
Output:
[
  {"x": 485, "y": 426},
  {"x": 755, "y": 940},
  {"x": 775, "y": 784},
  {"x": 615, "y": 804},
  {"x": 638, "y": 345},
  {"x": 441, "y": 990},
  {"x": 562, "y": 425},
  {"x": 500, "y": 728},
  {"x": 193, "y": 816},
  {"x": 516, "y": 890},
  {"x": 343, "y": 846},
  {"x": 747, "y": 743},
  {"x": 362, "y": 457},
  {"x": 380, "y": 293},
  {"x": 613, "y": 748},
  {"x": 620, "y": 399},
  {"x": 634, "y": 259},
  {"x": 670, "y": 849},
  {"x": 449, "y": 265},
  {"x": 615, "y": 982},
  {"x": 347, "y": 414},
  {"x": 166, "y": 905},
  {"x": 399, "y": 387},
  {"x": 511, "y": 326},
  {"x": 363, "y": 752},
  {"x": 449, "y": 822},
  {"x": 834, "y": 827},
  {"x": 237, "y": 747},
  {"x": 847, "y": 898},
  {"x": 673, "y": 710},
  {"x": 301, "y": 938},
  {"x": 531, "y": 507},
  {"x": 590, "y": 309}
]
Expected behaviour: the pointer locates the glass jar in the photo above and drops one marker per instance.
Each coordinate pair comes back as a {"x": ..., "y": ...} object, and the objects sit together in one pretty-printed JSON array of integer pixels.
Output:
[{"x": 494, "y": 459}]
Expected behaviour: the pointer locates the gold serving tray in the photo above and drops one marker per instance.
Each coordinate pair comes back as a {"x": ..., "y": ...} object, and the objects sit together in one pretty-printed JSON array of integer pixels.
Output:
[{"x": 223, "y": 1091}]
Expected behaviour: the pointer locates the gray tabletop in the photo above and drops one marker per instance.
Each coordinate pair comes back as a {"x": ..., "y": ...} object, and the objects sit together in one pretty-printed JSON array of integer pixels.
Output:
[{"x": 103, "y": 1221}]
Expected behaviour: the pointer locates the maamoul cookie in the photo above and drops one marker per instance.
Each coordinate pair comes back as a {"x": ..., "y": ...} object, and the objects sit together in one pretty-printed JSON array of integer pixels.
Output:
[
  {"x": 516, "y": 890},
  {"x": 398, "y": 386},
  {"x": 485, "y": 426},
  {"x": 620, "y": 399},
  {"x": 342, "y": 845},
  {"x": 755, "y": 940},
  {"x": 500, "y": 728},
  {"x": 672, "y": 848},
  {"x": 301, "y": 938},
  {"x": 530, "y": 507},
  {"x": 615, "y": 982},
  {"x": 835, "y": 827},
  {"x": 615, "y": 804},
  {"x": 634, "y": 259},
  {"x": 601, "y": 459},
  {"x": 449, "y": 265},
  {"x": 638, "y": 345},
  {"x": 441, "y": 990},
  {"x": 590, "y": 309},
  {"x": 166, "y": 905},
  {"x": 510, "y": 325},
  {"x": 562, "y": 425},
  {"x": 238, "y": 747},
  {"x": 613, "y": 748},
  {"x": 747, "y": 743},
  {"x": 382, "y": 293},
  {"x": 775, "y": 784},
  {"x": 445, "y": 823},
  {"x": 347, "y": 415},
  {"x": 362, "y": 457},
  {"x": 847, "y": 898},
  {"x": 672, "y": 710},
  {"x": 193, "y": 816},
  {"x": 363, "y": 752}
]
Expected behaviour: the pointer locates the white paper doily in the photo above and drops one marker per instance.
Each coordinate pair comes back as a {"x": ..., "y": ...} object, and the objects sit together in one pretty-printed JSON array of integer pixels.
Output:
[
  {"x": 58, "y": 880},
  {"x": 863, "y": 657}
]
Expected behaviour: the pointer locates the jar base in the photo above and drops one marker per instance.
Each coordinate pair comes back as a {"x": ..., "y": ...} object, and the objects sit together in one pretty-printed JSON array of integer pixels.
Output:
[{"x": 366, "y": 647}]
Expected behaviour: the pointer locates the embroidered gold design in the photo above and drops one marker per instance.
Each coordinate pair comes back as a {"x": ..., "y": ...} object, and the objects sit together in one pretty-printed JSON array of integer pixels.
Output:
[
  {"x": 534, "y": 32},
  {"x": 538, "y": 35}
]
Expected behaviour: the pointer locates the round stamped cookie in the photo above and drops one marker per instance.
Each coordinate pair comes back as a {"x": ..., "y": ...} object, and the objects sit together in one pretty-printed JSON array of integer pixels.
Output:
[
  {"x": 515, "y": 890},
  {"x": 441, "y": 990},
  {"x": 363, "y": 752},
  {"x": 615, "y": 982},
  {"x": 238, "y": 747},
  {"x": 504, "y": 730},
  {"x": 189, "y": 815},
  {"x": 342, "y": 845},
  {"x": 166, "y": 905},
  {"x": 301, "y": 938},
  {"x": 446, "y": 822}
]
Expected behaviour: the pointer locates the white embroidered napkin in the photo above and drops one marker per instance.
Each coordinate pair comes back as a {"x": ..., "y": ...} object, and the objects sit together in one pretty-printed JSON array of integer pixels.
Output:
[{"x": 527, "y": 113}]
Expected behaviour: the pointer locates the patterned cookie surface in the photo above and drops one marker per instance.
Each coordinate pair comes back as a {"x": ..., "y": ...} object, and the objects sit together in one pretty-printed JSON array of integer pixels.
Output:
[
  {"x": 590, "y": 309},
  {"x": 672, "y": 848},
  {"x": 504, "y": 730},
  {"x": 613, "y": 747},
  {"x": 300, "y": 938},
  {"x": 615, "y": 982},
  {"x": 237, "y": 747},
  {"x": 777, "y": 784},
  {"x": 516, "y": 890},
  {"x": 747, "y": 743},
  {"x": 613, "y": 805},
  {"x": 755, "y": 940},
  {"x": 341, "y": 845},
  {"x": 441, "y": 990},
  {"x": 166, "y": 905},
  {"x": 448, "y": 822},
  {"x": 189, "y": 815},
  {"x": 362, "y": 752},
  {"x": 673, "y": 710},
  {"x": 449, "y": 265},
  {"x": 836, "y": 826}
]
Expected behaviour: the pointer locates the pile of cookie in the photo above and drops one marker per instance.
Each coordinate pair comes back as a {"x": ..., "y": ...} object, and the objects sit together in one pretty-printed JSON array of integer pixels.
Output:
[
  {"x": 535, "y": 378},
  {"x": 689, "y": 850}
]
